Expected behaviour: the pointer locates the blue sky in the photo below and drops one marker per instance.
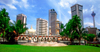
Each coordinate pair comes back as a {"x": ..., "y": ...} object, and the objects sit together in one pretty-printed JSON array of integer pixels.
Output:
[{"x": 34, "y": 9}]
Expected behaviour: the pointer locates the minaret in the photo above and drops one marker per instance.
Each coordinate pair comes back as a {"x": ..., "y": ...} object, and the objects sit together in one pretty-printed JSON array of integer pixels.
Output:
[
  {"x": 93, "y": 14},
  {"x": 31, "y": 27}
]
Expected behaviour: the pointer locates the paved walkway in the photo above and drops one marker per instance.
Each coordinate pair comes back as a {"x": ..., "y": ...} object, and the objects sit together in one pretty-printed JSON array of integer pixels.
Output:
[{"x": 45, "y": 44}]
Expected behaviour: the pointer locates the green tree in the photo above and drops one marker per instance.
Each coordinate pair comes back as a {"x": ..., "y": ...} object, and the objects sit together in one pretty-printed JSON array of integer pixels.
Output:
[
  {"x": 90, "y": 37},
  {"x": 20, "y": 27},
  {"x": 8, "y": 29},
  {"x": 4, "y": 21},
  {"x": 15, "y": 29},
  {"x": 73, "y": 29}
]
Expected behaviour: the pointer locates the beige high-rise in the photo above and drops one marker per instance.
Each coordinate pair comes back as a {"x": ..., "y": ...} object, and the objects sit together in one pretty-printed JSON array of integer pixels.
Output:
[
  {"x": 22, "y": 17},
  {"x": 41, "y": 27}
]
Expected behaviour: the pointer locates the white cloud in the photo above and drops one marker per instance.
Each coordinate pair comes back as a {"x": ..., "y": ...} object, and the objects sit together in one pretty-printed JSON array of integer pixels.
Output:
[
  {"x": 63, "y": 4},
  {"x": 66, "y": 3},
  {"x": 92, "y": 8},
  {"x": 88, "y": 24},
  {"x": 12, "y": 3},
  {"x": 11, "y": 6},
  {"x": 8, "y": 3},
  {"x": 24, "y": 3},
  {"x": 97, "y": 23},
  {"x": 85, "y": 10},
  {"x": 69, "y": 12}
]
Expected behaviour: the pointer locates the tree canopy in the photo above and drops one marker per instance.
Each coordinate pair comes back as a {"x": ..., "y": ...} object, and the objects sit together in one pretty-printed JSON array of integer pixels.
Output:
[
  {"x": 8, "y": 29},
  {"x": 73, "y": 29}
]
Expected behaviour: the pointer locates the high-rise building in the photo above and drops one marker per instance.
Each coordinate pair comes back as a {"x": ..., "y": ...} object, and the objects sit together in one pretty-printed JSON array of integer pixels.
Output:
[
  {"x": 78, "y": 10},
  {"x": 52, "y": 21},
  {"x": 22, "y": 17},
  {"x": 41, "y": 27}
]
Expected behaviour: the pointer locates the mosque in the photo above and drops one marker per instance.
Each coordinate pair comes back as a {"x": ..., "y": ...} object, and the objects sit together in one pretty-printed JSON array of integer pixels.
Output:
[{"x": 31, "y": 31}]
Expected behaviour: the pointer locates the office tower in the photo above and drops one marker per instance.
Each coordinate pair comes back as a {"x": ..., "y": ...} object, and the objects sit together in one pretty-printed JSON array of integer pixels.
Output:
[
  {"x": 52, "y": 21},
  {"x": 22, "y": 17},
  {"x": 41, "y": 27},
  {"x": 77, "y": 10}
]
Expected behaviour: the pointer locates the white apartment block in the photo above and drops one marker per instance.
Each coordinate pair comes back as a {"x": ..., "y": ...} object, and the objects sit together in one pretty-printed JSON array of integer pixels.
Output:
[{"x": 41, "y": 27}]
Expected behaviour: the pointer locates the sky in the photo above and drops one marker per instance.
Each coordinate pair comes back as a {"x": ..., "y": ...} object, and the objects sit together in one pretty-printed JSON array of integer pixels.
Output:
[{"x": 34, "y": 9}]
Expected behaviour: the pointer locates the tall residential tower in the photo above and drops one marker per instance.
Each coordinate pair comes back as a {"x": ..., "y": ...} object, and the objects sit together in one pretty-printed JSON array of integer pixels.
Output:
[
  {"x": 41, "y": 27},
  {"x": 78, "y": 10}
]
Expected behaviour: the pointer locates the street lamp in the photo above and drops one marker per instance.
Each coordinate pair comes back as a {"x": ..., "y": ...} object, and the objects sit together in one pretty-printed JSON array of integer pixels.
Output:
[{"x": 93, "y": 14}]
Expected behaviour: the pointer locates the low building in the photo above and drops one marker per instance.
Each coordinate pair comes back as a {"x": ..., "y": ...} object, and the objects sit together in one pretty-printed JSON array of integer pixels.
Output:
[
  {"x": 92, "y": 30},
  {"x": 58, "y": 25},
  {"x": 49, "y": 30},
  {"x": 31, "y": 31},
  {"x": 58, "y": 29},
  {"x": 98, "y": 34}
]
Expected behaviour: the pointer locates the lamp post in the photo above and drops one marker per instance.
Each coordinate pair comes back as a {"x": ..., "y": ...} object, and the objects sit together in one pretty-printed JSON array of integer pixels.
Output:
[{"x": 93, "y": 14}]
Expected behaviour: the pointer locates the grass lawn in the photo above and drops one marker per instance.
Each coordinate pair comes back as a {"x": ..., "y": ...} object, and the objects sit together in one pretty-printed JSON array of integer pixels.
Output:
[{"x": 69, "y": 48}]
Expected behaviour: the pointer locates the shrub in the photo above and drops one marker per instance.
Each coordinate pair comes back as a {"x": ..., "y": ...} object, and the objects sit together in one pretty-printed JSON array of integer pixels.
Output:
[
  {"x": 95, "y": 45},
  {"x": 88, "y": 44},
  {"x": 98, "y": 45},
  {"x": 85, "y": 44},
  {"x": 91, "y": 44}
]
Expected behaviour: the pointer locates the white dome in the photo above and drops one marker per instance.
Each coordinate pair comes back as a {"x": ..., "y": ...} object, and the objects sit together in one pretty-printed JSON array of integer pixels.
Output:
[
  {"x": 31, "y": 30},
  {"x": 57, "y": 20}
]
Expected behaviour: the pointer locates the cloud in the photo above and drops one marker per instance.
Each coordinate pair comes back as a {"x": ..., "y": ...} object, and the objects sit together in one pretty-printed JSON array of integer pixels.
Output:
[
  {"x": 11, "y": 6},
  {"x": 88, "y": 24},
  {"x": 63, "y": 4},
  {"x": 69, "y": 12},
  {"x": 92, "y": 8},
  {"x": 98, "y": 24},
  {"x": 8, "y": 3},
  {"x": 21, "y": 3},
  {"x": 12, "y": 3},
  {"x": 24, "y": 3},
  {"x": 85, "y": 10},
  {"x": 66, "y": 3}
]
